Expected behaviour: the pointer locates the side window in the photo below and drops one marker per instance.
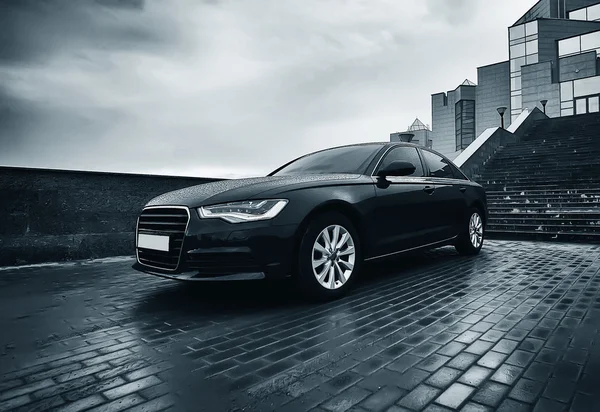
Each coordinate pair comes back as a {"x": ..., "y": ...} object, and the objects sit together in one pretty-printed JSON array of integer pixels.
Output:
[
  {"x": 457, "y": 173},
  {"x": 404, "y": 154},
  {"x": 438, "y": 166}
]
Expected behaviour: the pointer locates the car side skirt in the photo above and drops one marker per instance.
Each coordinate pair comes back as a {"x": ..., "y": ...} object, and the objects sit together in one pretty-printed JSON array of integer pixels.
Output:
[{"x": 427, "y": 246}]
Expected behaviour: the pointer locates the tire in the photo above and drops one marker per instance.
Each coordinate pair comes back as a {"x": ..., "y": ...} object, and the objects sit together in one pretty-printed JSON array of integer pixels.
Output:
[
  {"x": 309, "y": 252},
  {"x": 468, "y": 245}
]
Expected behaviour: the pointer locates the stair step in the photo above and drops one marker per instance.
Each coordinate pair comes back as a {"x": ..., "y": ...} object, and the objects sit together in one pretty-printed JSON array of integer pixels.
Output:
[
  {"x": 560, "y": 237},
  {"x": 537, "y": 221},
  {"x": 535, "y": 192},
  {"x": 547, "y": 185}
]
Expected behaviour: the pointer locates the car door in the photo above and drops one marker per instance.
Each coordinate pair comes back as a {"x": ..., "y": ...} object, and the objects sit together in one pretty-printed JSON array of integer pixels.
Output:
[
  {"x": 401, "y": 215},
  {"x": 448, "y": 199}
]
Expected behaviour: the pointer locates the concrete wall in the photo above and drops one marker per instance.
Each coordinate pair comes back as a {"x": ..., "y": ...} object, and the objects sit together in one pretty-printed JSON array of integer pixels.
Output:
[
  {"x": 553, "y": 9},
  {"x": 542, "y": 9},
  {"x": 537, "y": 85},
  {"x": 549, "y": 31},
  {"x": 493, "y": 91},
  {"x": 48, "y": 215},
  {"x": 443, "y": 119},
  {"x": 578, "y": 67}
]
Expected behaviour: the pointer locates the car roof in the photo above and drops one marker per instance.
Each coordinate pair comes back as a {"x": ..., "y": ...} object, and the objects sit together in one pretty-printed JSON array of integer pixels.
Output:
[{"x": 382, "y": 144}]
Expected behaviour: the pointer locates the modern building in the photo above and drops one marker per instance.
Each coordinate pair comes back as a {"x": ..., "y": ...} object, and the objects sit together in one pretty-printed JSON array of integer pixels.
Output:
[
  {"x": 417, "y": 133},
  {"x": 553, "y": 64}
]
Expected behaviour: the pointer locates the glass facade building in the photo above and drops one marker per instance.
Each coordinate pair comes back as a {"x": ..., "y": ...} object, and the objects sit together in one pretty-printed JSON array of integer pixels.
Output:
[
  {"x": 554, "y": 55},
  {"x": 523, "y": 50}
]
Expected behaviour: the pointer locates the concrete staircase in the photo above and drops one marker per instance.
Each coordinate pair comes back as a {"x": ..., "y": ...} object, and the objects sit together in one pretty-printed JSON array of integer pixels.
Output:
[{"x": 547, "y": 186}]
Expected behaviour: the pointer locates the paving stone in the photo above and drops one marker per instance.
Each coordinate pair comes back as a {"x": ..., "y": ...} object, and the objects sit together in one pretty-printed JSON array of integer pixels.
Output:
[
  {"x": 474, "y": 407},
  {"x": 492, "y": 360},
  {"x": 419, "y": 397},
  {"x": 433, "y": 362},
  {"x": 462, "y": 361},
  {"x": 526, "y": 390},
  {"x": 518, "y": 333},
  {"x": 559, "y": 389},
  {"x": 452, "y": 349},
  {"x": 539, "y": 371},
  {"x": 383, "y": 398},
  {"x": 479, "y": 347},
  {"x": 475, "y": 375},
  {"x": 491, "y": 394},
  {"x": 411, "y": 378},
  {"x": 548, "y": 405},
  {"x": 505, "y": 346},
  {"x": 132, "y": 387},
  {"x": 346, "y": 400},
  {"x": 510, "y": 405},
  {"x": 444, "y": 377},
  {"x": 455, "y": 395}
]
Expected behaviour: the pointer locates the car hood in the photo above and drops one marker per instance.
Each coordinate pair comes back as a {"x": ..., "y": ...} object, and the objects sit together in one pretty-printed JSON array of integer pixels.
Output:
[{"x": 241, "y": 189}]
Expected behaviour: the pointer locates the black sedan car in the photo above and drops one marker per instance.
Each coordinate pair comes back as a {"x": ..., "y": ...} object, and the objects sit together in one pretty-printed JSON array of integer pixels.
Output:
[{"x": 315, "y": 219}]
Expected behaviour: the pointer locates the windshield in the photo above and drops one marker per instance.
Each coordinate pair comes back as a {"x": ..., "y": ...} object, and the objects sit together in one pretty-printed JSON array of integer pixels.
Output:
[{"x": 347, "y": 159}]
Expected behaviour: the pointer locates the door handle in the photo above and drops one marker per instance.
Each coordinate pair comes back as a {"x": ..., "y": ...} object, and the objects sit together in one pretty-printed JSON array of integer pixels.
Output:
[
  {"x": 429, "y": 189},
  {"x": 463, "y": 189}
]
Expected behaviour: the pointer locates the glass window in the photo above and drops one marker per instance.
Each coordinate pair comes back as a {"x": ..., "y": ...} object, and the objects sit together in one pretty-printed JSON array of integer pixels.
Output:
[
  {"x": 458, "y": 174},
  {"x": 464, "y": 123},
  {"x": 594, "y": 104},
  {"x": 515, "y": 64},
  {"x": 517, "y": 50},
  {"x": 566, "y": 112},
  {"x": 587, "y": 86},
  {"x": 532, "y": 59},
  {"x": 532, "y": 47},
  {"x": 568, "y": 46},
  {"x": 531, "y": 28},
  {"x": 516, "y": 102},
  {"x": 566, "y": 105},
  {"x": 593, "y": 12},
  {"x": 348, "y": 159},
  {"x": 566, "y": 91},
  {"x": 403, "y": 154},
  {"x": 590, "y": 41},
  {"x": 515, "y": 83},
  {"x": 578, "y": 15},
  {"x": 580, "y": 106},
  {"x": 438, "y": 166},
  {"x": 517, "y": 32}
]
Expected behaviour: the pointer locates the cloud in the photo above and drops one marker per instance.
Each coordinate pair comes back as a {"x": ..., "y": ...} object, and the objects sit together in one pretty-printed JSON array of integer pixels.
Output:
[
  {"x": 454, "y": 12},
  {"x": 229, "y": 86}
]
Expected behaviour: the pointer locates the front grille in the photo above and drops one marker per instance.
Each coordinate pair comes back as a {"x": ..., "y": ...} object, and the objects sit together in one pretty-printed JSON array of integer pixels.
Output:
[
  {"x": 220, "y": 263},
  {"x": 166, "y": 221}
]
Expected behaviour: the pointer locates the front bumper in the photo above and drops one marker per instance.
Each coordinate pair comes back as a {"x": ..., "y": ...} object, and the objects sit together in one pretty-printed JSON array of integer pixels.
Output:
[{"x": 211, "y": 249}]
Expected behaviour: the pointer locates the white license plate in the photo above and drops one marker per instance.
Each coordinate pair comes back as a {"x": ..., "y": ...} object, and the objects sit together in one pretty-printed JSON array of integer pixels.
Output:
[{"x": 153, "y": 242}]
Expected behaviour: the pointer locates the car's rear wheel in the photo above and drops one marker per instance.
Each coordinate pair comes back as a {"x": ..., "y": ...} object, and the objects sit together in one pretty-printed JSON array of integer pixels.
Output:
[
  {"x": 470, "y": 240},
  {"x": 329, "y": 257}
]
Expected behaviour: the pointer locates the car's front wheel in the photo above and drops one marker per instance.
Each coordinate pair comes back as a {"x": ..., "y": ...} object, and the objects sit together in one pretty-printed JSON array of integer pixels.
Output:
[
  {"x": 329, "y": 257},
  {"x": 470, "y": 240}
]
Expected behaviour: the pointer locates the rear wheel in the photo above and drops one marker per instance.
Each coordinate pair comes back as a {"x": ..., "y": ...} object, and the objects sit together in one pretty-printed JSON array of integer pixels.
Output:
[
  {"x": 470, "y": 240},
  {"x": 329, "y": 257}
]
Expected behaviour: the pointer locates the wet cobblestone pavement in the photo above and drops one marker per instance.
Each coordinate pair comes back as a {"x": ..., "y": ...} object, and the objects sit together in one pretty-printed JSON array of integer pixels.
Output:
[{"x": 513, "y": 329}]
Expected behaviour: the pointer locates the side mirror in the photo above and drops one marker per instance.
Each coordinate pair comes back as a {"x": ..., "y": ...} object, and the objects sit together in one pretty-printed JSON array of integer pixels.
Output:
[{"x": 397, "y": 168}]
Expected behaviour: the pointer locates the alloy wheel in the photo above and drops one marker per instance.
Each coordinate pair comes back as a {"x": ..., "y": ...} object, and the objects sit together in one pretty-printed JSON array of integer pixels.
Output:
[
  {"x": 333, "y": 257},
  {"x": 476, "y": 230}
]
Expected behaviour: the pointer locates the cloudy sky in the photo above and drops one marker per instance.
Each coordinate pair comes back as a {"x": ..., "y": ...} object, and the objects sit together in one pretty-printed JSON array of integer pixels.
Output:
[{"x": 227, "y": 88}]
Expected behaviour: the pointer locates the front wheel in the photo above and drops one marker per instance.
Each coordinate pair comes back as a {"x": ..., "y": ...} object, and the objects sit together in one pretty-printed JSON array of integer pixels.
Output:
[
  {"x": 329, "y": 257},
  {"x": 470, "y": 240}
]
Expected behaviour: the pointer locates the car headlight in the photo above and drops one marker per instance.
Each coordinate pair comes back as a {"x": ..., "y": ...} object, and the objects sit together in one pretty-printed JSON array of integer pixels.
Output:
[{"x": 246, "y": 211}]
